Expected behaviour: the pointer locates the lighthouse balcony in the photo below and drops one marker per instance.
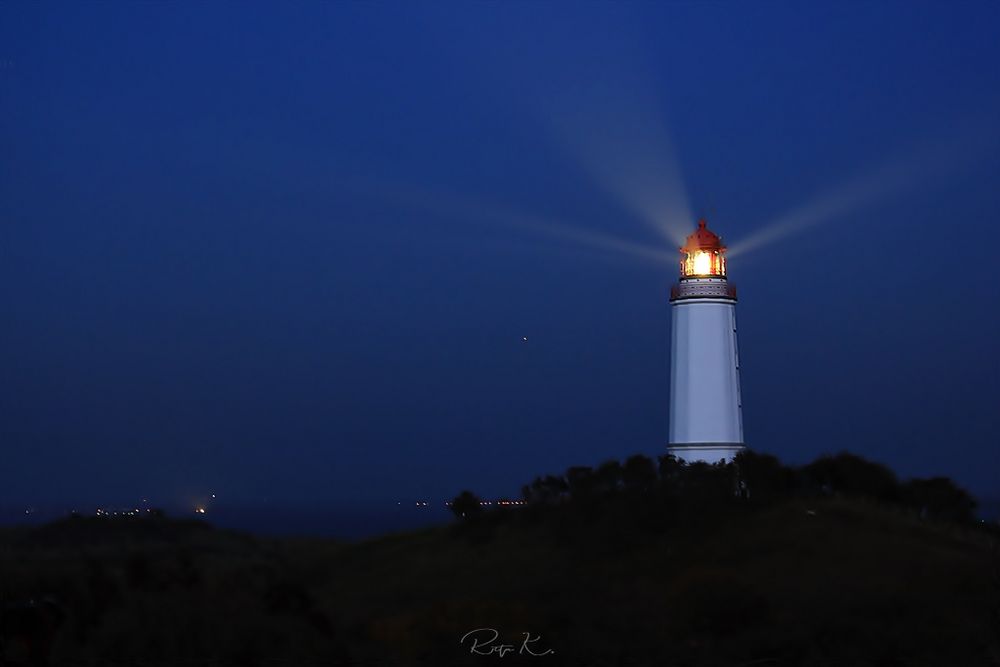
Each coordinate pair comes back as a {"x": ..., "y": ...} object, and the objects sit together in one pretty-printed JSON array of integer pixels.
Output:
[{"x": 702, "y": 288}]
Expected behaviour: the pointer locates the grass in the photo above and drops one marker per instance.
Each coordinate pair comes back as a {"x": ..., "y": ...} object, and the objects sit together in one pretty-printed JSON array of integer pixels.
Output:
[{"x": 803, "y": 582}]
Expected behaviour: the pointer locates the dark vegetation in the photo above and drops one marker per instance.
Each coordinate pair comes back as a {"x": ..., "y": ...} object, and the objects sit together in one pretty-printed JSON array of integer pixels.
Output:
[{"x": 629, "y": 563}]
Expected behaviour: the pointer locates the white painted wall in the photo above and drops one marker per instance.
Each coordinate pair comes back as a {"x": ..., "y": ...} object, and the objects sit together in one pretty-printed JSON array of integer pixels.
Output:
[{"x": 704, "y": 379}]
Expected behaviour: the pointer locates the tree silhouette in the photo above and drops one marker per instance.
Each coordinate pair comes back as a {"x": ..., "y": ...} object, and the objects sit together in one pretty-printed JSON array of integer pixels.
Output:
[
  {"x": 851, "y": 475},
  {"x": 466, "y": 505},
  {"x": 581, "y": 482},
  {"x": 639, "y": 474},
  {"x": 707, "y": 484},
  {"x": 763, "y": 477},
  {"x": 548, "y": 489},
  {"x": 671, "y": 468},
  {"x": 608, "y": 477},
  {"x": 940, "y": 498}
]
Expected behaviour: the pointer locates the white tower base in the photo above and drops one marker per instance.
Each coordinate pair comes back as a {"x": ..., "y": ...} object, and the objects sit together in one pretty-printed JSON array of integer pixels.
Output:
[
  {"x": 706, "y": 453},
  {"x": 706, "y": 422}
]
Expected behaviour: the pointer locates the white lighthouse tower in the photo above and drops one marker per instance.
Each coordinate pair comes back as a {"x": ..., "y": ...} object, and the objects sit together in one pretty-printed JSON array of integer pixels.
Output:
[{"x": 706, "y": 422}]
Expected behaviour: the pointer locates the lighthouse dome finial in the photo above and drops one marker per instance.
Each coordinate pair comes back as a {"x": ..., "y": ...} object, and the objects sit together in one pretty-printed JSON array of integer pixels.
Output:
[{"x": 703, "y": 238}]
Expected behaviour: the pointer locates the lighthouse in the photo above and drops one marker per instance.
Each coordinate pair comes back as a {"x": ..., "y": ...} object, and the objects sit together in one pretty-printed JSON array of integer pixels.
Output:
[{"x": 706, "y": 422}]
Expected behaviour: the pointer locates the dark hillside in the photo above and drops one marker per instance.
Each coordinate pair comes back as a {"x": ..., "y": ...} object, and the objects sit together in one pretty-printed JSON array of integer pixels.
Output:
[
  {"x": 616, "y": 566},
  {"x": 829, "y": 582}
]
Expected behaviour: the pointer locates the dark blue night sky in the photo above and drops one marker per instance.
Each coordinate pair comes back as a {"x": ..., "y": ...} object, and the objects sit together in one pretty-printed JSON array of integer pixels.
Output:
[{"x": 292, "y": 253}]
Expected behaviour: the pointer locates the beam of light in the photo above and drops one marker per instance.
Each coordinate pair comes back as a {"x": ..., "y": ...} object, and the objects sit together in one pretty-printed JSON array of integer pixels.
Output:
[
  {"x": 601, "y": 107},
  {"x": 920, "y": 166},
  {"x": 620, "y": 139},
  {"x": 478, "y": 211}
]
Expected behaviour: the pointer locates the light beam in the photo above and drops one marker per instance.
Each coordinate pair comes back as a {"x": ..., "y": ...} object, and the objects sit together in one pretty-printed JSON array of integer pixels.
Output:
[{"x": 921, "y": 165}]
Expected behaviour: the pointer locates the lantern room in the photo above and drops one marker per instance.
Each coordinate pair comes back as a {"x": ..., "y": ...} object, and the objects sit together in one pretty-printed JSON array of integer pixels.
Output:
[{"x": 703, "y": 254}]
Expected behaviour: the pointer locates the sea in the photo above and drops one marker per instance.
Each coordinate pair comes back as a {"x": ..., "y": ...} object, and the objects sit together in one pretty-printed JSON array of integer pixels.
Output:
[{"x": 343, "y": 523}]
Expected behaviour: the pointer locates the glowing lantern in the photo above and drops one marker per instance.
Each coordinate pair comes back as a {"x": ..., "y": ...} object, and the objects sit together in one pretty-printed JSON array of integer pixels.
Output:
[{"x": 704, "y": 254}]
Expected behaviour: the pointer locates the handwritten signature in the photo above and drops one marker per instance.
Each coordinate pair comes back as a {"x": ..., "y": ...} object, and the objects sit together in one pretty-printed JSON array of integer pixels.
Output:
[{"x": 484, "y": 642}]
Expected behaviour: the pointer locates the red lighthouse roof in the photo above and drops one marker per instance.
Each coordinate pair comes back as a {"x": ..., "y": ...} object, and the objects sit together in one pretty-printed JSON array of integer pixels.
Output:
[{"x": 702, "y": 239}]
